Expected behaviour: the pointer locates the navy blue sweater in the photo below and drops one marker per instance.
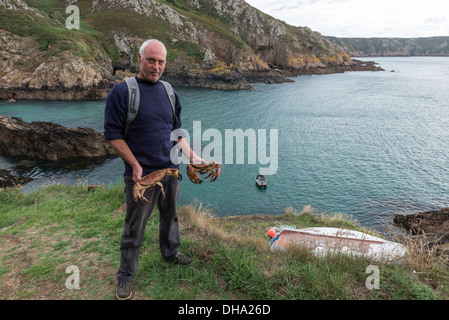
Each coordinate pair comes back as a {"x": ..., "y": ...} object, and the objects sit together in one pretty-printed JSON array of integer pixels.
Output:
[{"x": 149, "y": 133}]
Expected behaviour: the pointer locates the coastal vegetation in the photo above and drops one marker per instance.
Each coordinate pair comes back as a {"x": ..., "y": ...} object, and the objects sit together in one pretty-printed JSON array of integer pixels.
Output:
[{"x": 55, "y": 227}]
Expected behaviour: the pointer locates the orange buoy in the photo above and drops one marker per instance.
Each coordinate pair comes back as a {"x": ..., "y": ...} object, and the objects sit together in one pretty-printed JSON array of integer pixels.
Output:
[{"x": 271, "y": 232}]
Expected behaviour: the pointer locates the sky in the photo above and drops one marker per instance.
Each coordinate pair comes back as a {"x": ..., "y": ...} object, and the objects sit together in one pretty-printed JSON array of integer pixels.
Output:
[{"x": 363, "y": 18}]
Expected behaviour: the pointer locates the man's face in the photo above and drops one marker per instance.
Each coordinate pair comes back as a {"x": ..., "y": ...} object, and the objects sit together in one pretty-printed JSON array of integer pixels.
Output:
[{"x": 152, "y": 62}]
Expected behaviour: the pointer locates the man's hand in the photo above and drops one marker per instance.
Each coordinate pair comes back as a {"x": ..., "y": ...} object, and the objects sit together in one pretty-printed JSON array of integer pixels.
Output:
[
  {"x": 137, "y": 173},
  {"x": 121, "y": 148},
  {"x": 184, "y": 146}
]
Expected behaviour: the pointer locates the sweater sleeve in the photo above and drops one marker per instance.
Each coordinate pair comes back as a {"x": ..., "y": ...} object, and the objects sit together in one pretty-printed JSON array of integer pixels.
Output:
[{"x": 115, "y": 113}]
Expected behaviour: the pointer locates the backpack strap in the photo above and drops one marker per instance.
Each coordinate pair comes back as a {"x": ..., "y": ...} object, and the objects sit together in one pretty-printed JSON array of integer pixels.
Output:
[
  {"x": 134, "y": 100},
  {"x": 171, "y": 96}
]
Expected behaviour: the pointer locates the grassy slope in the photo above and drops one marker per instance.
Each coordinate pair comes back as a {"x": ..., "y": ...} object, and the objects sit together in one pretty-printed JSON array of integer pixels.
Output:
[
  {"x": 97, "y": 28},
  {"x": 57, "y": 226},
  {"x": 49, "y": 31}
]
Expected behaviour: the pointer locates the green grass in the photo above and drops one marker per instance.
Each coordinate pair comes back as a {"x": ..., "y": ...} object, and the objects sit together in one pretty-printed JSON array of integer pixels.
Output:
[
  {"x": 50, "y": 32},
  {"x": 44, "y": 232}
]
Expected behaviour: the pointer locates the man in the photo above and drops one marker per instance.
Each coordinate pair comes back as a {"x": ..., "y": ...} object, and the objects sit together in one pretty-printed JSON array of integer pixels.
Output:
[{"x": 146, "y": 149}]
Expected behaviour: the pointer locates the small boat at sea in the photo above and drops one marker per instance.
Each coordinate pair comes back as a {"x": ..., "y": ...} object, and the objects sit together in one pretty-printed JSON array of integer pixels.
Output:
[{"x": 261, "y": 181}]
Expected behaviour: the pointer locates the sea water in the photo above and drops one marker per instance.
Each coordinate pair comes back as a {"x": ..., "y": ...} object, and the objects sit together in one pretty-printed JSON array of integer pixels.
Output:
[{"x": 366, "y": 144}]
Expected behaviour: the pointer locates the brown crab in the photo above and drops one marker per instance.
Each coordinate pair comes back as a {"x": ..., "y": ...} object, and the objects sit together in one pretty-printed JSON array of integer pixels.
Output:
[
  {"x": 214, "y": 169},
  {"x": 150, "y": 180}
]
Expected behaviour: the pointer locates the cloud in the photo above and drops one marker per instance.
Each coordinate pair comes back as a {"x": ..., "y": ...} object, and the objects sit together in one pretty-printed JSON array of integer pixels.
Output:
[
  {"x": 437, "y": 20},
  {"x": 367, "y": 18}
]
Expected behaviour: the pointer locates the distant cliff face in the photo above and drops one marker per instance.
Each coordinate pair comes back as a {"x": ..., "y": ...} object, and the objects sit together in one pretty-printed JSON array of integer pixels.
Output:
[
  {"x": 375, "y": 47},
  {"x": 210, "y": 43}
]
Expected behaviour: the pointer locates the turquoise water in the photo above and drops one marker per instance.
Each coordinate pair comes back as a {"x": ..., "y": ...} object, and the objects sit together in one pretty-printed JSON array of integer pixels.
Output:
[{"x": 368, "y": 144}]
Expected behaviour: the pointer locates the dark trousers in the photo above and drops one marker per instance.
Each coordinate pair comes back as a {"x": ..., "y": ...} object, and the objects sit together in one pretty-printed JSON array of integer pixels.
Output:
[{"x": 137, "y": 215}]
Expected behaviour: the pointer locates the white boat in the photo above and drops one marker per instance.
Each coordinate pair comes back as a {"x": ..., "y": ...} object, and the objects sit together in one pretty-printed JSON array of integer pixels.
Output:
[
  {"x": 261, "y": 181},
  {"x": 322, "y": 241}
]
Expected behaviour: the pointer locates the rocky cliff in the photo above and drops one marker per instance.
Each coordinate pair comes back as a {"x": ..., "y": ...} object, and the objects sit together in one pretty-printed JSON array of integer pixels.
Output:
[{"x": 210, "y": 43}]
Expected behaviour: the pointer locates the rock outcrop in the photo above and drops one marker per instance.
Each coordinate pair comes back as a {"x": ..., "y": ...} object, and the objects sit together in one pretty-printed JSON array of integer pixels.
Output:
[
  {"x": 27, "y": 73},
  {"x": 224, "y": 78},
  {"x": 429, "y": 222},
  {"x": 49, "y": 141},
  {"x": 430, "y": 231}
]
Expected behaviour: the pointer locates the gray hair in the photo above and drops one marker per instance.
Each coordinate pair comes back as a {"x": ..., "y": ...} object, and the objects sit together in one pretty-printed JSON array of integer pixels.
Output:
[{"x": 147, "y": 42}]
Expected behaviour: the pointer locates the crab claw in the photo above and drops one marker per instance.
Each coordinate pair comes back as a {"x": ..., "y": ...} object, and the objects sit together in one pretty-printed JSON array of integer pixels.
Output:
[
  {"x": 193, "y": 176},
  {"x": 138, "y": 193},
  {"x": 214, "y": 169}
]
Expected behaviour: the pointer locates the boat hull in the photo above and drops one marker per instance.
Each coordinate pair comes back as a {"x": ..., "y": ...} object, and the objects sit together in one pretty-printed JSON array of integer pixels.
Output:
[{"x": 324, "y": 241}]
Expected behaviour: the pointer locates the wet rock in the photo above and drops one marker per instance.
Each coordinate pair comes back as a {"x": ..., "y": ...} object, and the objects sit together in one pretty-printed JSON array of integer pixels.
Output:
[
  {"x": 8, "y": 180},
  {"x": 49, "y": 141}
]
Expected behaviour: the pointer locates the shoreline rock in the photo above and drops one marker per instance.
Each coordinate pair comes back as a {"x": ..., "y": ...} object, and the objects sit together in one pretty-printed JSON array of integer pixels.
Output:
[
  {"x": 14, "y": 94},
  {"x": 222, "y": 78},
  {"x": 429, "y": 222},
  {"x": 226, "y": 78},
  {"x": 8, "y": 180},
  {"x": 50, "y": 141},
  {"x": 356, "y": 66},
  {"x": 433, "y": 226}
]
